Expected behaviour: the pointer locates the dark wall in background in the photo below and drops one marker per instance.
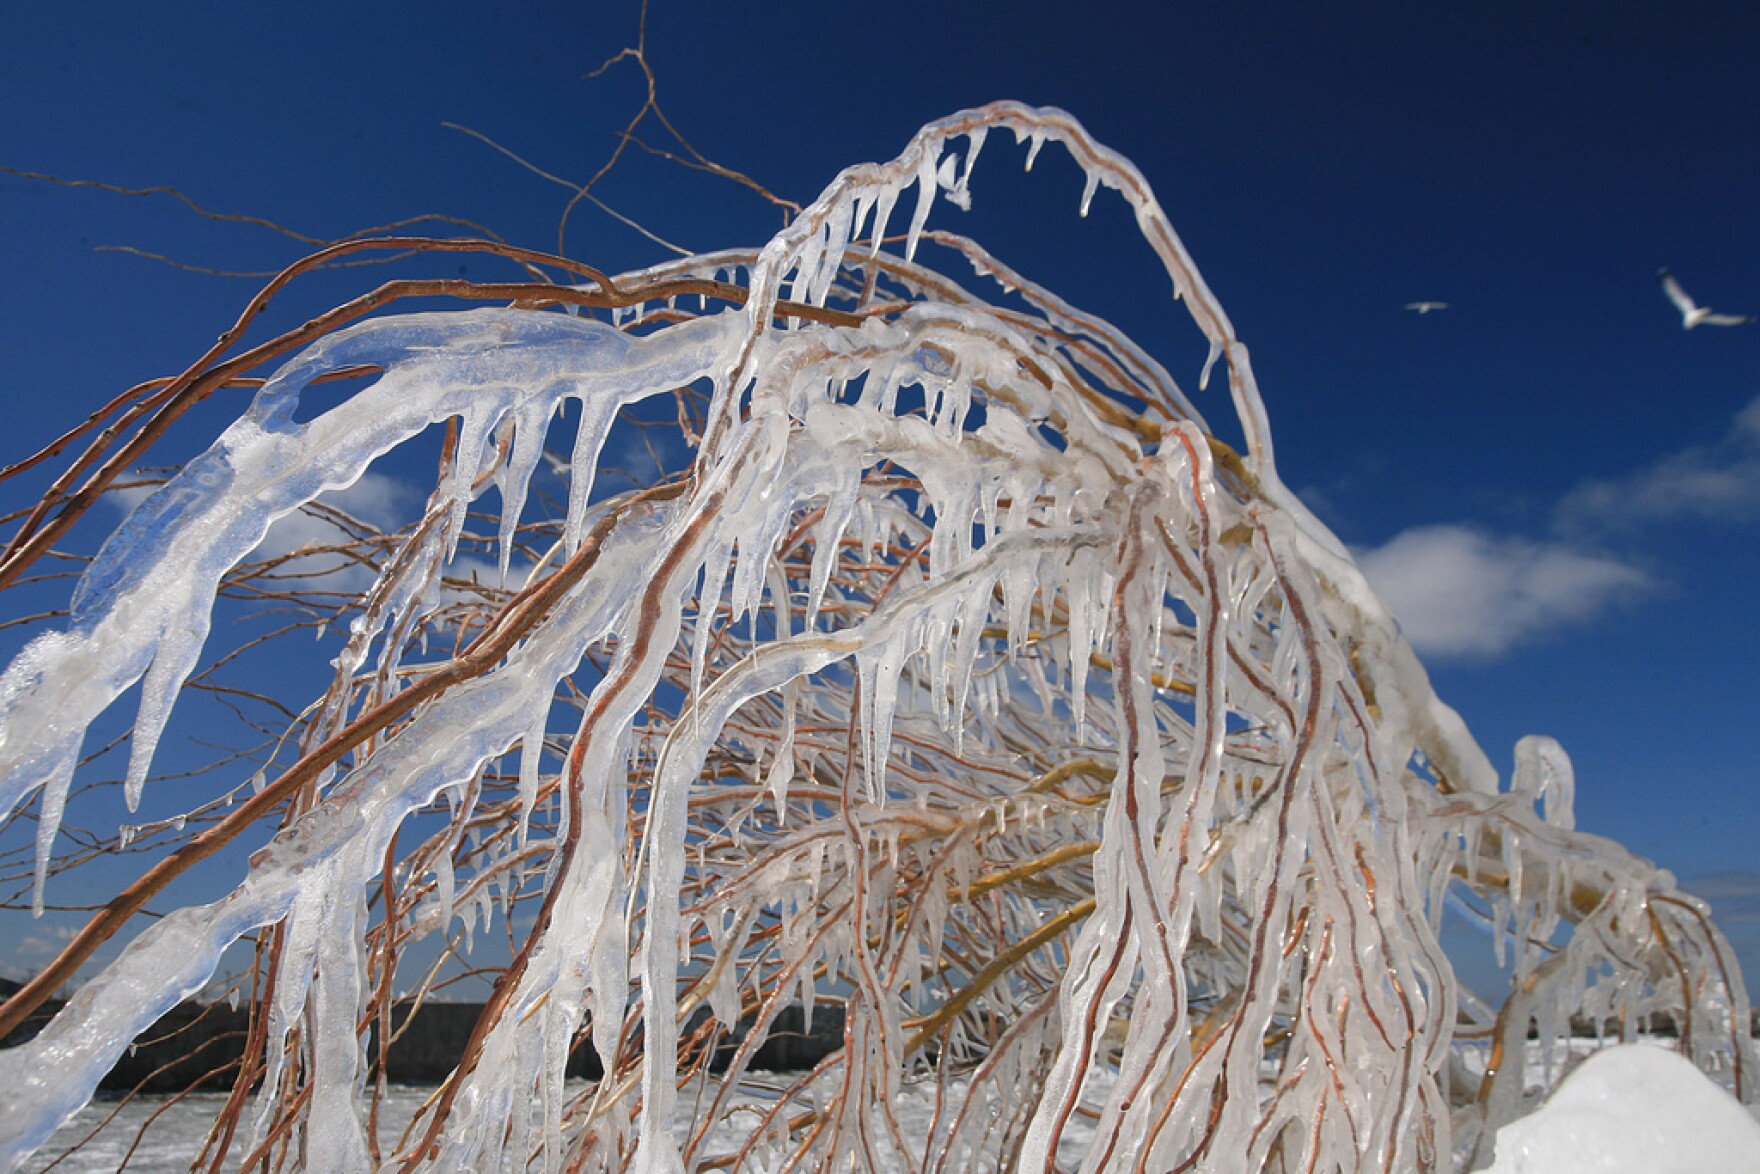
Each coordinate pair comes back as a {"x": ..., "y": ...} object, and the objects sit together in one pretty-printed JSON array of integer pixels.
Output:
[{"x": 201, "y": 1044}]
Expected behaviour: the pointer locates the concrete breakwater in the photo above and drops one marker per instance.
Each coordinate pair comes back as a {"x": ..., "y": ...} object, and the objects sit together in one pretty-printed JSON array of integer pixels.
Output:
[{"x": 201, "y": 1044}]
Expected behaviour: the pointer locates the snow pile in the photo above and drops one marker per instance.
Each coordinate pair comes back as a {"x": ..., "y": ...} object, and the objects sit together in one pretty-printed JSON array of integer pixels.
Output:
[{"x": 1633, "y": 1109}]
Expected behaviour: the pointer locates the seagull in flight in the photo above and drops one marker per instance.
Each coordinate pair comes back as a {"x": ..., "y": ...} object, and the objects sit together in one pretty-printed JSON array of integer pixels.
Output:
[
  {"x": 1692, "y": 314},
  {"x": 1426, "y": 307}
]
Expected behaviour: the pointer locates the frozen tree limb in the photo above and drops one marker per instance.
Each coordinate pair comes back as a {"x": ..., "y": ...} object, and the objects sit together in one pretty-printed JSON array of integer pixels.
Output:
[{"x": 964, "y": 675}]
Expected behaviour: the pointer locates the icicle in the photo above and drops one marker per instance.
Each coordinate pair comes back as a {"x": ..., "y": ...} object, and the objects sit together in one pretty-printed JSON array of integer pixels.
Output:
[
  {"x": 482, "y": 910},
  {"x": 50, "y": 808},
  {"x": 1081, "y": 634},
  {"x": 1088, "y": 188},
  {"x": 179, "y": 648},
  {"x": 926, "y": 186},
  {"x": 764, "y": 524},
  {"x": 513, "y": 477},
  {"x": 1020, "y": 584},
  {"x": 727, "y": 939},
  {"x": 879, "y": 669},
  {"x": 299, "y": 950},
  {"x": 806, "y": 267},
  {"x": 715, "y": 569},
  {"x": 938, "y": 647},
  {"x": 444, "y": 891},
  {"x": 531, "y": 753},
  {"x": 783, "y": 766},
  {"x": 973, "y": 610},
  {"x": 864, "y": 203},
  {"x": 827, "y": 536},
  {"x": 476, "y": 432},
  {"x": 976, "y": 140},
  {"x": 822, "y": 274},
  {"x": 1209, "y": 362},
  {"x": 589, "y": 440},
  {"x": 883, "y": 204}
]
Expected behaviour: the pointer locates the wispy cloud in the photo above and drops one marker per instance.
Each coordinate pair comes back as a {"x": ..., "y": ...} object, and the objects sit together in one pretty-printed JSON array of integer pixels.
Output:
[
  {"x": 375, "y": 499},
  {"x": 1720, "y": 480},
  {"x": 22, "y": 957},
  {"x": 1460, "y": 592},
  {"x": 43, "y": 942},
  {"x": 1734, "y": 895},
  {"x": 26, "y": 955}
]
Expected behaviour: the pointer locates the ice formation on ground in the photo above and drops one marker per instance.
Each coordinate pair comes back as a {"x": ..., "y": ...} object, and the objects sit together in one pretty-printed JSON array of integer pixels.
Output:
[
  {"x": 966, "y": 675},
  {"x": 1635, "y": 1109}
]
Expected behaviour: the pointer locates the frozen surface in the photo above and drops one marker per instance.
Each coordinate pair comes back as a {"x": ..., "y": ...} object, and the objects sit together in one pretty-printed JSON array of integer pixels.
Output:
[
  {"x": 179, "y": 1127},
  {"x": 1632, "y": 1109},
  {"x": 1636, "y": 1108}
]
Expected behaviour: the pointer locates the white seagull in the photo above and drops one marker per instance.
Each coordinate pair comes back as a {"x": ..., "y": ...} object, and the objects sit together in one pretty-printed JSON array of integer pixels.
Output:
[
  {"x": 1695, "y": 315},
  {"x": 1426, "y": 307}
]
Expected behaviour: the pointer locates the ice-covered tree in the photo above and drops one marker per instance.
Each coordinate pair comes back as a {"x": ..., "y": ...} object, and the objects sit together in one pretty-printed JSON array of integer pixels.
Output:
[{"x": 961, "y": 674}]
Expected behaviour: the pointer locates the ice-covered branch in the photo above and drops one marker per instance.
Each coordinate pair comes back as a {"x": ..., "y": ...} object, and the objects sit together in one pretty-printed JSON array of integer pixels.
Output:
[{"x": 957, "y": 673}]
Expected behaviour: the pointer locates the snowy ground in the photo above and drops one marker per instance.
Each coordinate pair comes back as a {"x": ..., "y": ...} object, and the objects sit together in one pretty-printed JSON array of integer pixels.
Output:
[
  {"x": 1610, "y": 1115},
  {"x": 178, "y": 1128}
]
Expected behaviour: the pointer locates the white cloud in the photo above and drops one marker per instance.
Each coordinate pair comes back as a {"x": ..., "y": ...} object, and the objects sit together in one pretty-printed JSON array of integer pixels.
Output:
[
  {"x": 1459, "y": 592},
  {"x": 1735, "y": 906},
  {"x": 42, "y": 943},
  {"x": 1734, "y": 895},
  {"x": 22, "y": 957},
  {"x": 1719, "y": 480},
  {"x": 376, "y": 499}
]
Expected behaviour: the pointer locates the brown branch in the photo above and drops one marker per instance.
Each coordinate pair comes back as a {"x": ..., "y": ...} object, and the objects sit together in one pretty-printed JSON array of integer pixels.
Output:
[{"x": 36, "y": 537}]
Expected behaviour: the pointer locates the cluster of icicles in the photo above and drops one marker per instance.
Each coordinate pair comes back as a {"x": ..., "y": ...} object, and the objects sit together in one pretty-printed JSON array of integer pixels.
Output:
[{"x": 1003, "y": 703}]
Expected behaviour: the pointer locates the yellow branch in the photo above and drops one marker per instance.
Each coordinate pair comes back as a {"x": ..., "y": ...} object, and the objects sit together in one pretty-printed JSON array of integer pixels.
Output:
[
  {"x": 1052, "y": 859},
  {"x": 931, "y": 1025}
]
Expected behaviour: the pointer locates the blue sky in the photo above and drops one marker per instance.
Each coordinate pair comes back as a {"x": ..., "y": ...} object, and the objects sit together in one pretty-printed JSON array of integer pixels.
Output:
[{"x": 1557, "y": 485}]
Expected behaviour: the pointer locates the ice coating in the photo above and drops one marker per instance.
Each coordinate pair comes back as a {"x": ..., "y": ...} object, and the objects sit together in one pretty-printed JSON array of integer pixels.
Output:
[
  {"x": 172, "y": 959},
  {"x": 143, "y": 606},
  {"x": 963, "y": 675}
]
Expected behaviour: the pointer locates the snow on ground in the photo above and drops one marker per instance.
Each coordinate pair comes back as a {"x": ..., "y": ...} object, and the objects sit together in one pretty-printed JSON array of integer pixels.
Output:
[
  {"x": 1636, "y": 1108},
  {"x": 179, "y": 1126}
]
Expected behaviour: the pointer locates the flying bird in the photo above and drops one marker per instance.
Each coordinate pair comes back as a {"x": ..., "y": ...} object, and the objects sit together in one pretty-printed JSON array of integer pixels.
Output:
[
  {"x": 1426, "y": 307},
  {"x": 1692, "y": 314}
]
